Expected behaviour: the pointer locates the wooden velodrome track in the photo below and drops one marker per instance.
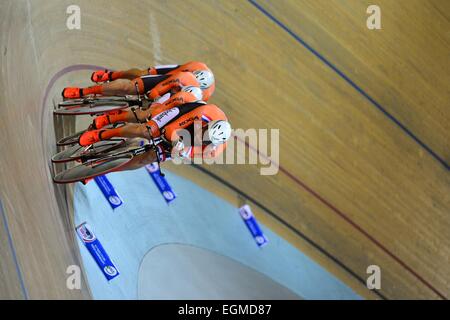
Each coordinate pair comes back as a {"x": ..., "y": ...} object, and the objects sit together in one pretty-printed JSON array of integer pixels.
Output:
[{"x": 363, "y": 117}]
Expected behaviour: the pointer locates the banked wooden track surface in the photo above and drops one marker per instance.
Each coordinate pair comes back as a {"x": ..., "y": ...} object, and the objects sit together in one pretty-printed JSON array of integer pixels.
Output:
[{"x": 363, "y": 118}]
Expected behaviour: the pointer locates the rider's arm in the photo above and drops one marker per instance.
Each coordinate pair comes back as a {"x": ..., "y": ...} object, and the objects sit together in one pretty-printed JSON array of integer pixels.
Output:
[
  {"x": 161, "y": 88},
  {"x": 128, "y": 74},
  {"x": 134, "y": 73},
  {"x": 165, "y": 86},
  {"x": 179, "y": 98},
  {"x": 108, "y": 75},
  {"x": 164, "y": 69},
  {"x": 190, "y": 66},
  {"x": 174, "y": 101},
  {"x": 205, "y": 152},
  {"x": 196, "y": 151}
]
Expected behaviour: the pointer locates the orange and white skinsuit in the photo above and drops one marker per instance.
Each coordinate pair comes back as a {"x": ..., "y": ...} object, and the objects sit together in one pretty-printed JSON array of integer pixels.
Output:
[
  {"x": 169, "y": 121},
  {"x": 157, "y": 86},
  {"x": 155, "y": 81}
]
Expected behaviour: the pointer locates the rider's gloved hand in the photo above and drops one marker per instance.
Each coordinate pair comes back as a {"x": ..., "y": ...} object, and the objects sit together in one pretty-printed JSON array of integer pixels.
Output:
[
  {"x": 101, "y": 76},
  {"x": 89, "y": 137},
  {"x": 153, "y": 94},
  {"x": 101, "y": 121},
  {"x": 109, "y": 118}
]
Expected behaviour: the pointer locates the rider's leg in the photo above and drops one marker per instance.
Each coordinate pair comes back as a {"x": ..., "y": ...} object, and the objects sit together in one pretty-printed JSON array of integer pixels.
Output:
[
  {"x": 106, "y": 75},
  {"x": 130, "y": 130},
  {"x": 118, "y": 87},
  {"x": 129, "y": 74},
  {"x": 115, "y": 88},
  {"x": 138, "y": 116}
]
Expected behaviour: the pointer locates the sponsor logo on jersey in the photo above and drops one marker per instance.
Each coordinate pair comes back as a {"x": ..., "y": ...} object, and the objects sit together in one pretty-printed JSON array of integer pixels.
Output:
[
  {"x": 192, "y": 119},
  {"x": 164, "y": 117}
]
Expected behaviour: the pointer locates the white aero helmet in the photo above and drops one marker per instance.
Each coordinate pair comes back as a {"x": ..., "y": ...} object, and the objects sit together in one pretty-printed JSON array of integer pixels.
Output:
[
  {"x": 196, "y": 91},
  {"x": 219, "y": 131},
  {"x": 205, "y": 78}
]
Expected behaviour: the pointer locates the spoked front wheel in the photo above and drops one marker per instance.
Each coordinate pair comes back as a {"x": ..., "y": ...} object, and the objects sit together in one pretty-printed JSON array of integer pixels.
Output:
[
  {"x": 92, "y": 168},
  {"x": 92, "y": 108}
]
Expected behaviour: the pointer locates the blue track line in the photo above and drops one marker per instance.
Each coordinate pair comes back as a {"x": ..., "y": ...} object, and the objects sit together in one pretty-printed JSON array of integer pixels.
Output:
[
  {"x": 13, "y": 250},
  {"x": 353, "y": 84}
]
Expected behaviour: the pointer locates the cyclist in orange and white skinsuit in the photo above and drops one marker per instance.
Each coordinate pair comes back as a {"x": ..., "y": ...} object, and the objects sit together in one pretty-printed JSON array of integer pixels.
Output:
[
  {"x": 168, "y": 123},
  {"x": 154, "y": 81},
  {"x": 186, "y": 95}
]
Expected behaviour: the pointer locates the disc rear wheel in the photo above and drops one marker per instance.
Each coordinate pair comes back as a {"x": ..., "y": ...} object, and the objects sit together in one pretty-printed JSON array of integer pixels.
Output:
[
  {"x": 69, "y": 140},
  {"x": 92, "y": 168},
  {"x": 88, "y": 100},
  {"x": 92, "y": 108}
]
